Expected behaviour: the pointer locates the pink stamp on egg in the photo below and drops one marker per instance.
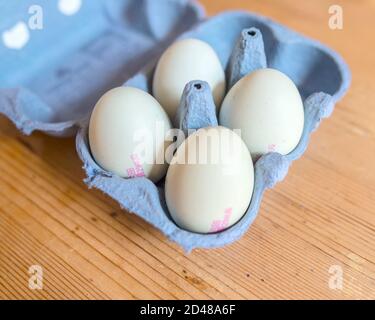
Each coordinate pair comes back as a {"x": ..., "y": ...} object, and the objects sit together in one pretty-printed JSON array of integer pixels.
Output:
[
  {"x": 137, "y": 171},
  {"x": 219, "y": 225},
  {"x": 272, "y": 148}
]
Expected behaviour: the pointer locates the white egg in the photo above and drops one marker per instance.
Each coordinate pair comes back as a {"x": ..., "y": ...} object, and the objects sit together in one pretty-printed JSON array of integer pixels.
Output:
[
  {"x": 184, "y": 61},
  {"x": 210, "y": 181},
  {"x": 267, "y": 107},
  {"x": 126, "y": 134}
]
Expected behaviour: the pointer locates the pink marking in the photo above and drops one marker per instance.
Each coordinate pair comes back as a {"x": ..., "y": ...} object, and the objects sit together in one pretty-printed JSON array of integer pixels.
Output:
[
  {"x": 219, "y": 225},
  {"x": 137, "y": 171},
  {"x": 272, "y": 148},
  {"x": 131, "y": 173}
]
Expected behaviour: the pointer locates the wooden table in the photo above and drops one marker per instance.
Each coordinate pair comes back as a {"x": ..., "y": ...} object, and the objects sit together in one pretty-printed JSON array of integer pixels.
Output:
[{"x": 321, "y": 219}]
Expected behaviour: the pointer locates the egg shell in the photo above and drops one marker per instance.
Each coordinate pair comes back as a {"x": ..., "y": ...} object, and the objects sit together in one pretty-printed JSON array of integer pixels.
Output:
[
  {"x": 267, "y": 107},
  {"x": 119, "y": 120},
  {"x": 184, "y": 61},
  {"x": 210, "y": 181}
]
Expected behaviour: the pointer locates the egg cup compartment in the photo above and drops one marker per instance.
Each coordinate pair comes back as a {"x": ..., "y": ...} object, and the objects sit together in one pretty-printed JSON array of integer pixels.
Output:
[
  {"x": 52, "y": 83},
  {"x": 320, "y": 74}
]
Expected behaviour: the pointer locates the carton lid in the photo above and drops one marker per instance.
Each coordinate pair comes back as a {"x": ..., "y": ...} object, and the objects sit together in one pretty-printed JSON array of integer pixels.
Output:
[{"x": 58, "y": 57}]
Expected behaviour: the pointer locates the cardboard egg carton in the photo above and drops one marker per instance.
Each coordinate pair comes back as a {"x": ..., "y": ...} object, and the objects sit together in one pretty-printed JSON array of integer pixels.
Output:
[{"x": 120, "y": 44}]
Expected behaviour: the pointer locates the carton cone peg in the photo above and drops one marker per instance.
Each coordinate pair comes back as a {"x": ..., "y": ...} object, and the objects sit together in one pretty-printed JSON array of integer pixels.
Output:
[
  {"x": 197, "y": 108},
  {"x": 248, "y": 55}
]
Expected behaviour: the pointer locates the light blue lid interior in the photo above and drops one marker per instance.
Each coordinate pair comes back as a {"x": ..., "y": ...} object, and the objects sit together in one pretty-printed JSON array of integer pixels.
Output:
[{"x": 68, "y": 64}]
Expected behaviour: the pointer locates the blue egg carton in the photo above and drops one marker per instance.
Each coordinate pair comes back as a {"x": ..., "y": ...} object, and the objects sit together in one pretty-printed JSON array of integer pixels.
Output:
[{"x": 114, "y": 42}]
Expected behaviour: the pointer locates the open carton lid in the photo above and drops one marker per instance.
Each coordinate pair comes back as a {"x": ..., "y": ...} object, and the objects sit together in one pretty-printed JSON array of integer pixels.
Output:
[{"x": 53, "y": 70}]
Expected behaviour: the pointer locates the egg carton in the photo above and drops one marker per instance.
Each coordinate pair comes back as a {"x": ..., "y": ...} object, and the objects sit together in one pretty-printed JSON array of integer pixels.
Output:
[{"x": 243, "y": 41}]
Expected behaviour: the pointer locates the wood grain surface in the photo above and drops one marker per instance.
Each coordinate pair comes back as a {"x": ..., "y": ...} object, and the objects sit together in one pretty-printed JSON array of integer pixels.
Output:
[{"x": 321, "y": 217}]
